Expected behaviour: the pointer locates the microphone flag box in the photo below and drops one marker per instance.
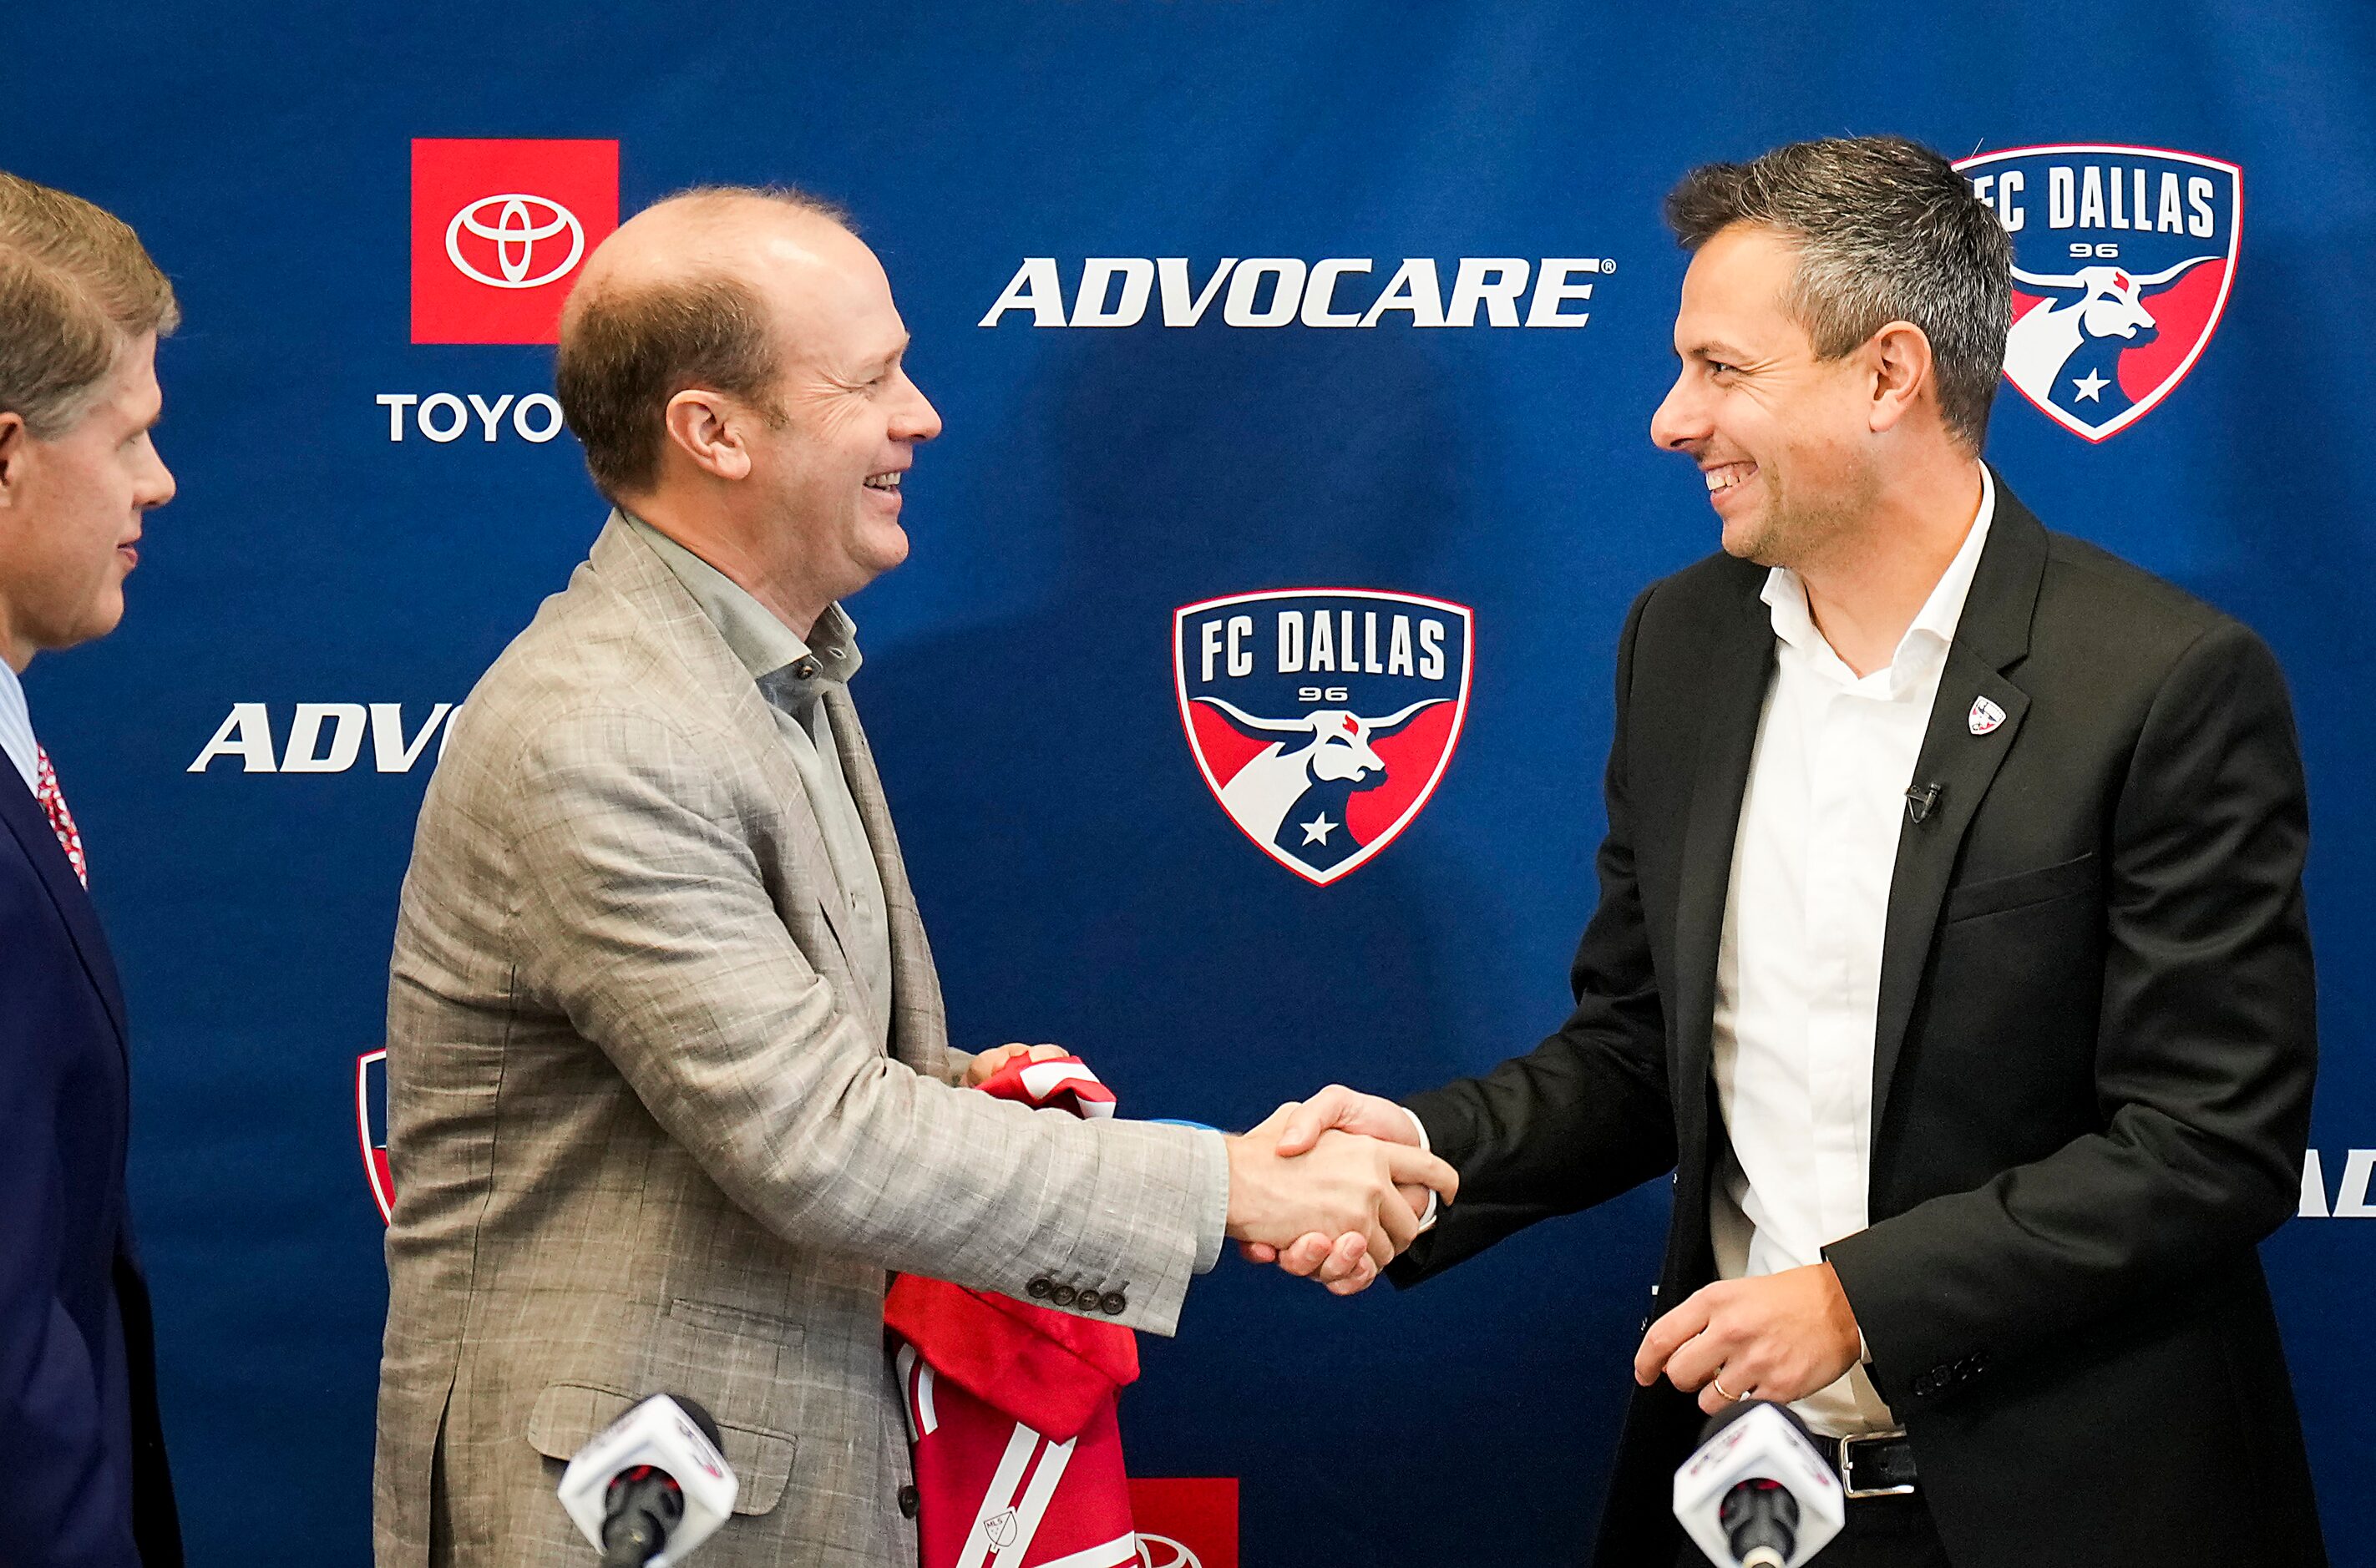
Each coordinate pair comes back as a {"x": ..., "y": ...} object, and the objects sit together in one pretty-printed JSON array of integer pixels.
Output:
[
  {"x": 1764, "y": 1444},
  {"x": 659, "y": 1433}
]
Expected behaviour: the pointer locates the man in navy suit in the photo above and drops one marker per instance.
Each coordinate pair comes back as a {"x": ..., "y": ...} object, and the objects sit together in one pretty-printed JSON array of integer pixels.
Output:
[{"x": 82, "y": 1457}]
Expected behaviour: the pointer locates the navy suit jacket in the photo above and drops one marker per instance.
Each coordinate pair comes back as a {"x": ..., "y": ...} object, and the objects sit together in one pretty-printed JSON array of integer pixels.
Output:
[{"x": 82, "y": 1458}]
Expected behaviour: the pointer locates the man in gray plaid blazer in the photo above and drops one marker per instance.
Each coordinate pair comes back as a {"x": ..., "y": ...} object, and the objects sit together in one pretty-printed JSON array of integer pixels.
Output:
[{"x": 670, "y": 1083}]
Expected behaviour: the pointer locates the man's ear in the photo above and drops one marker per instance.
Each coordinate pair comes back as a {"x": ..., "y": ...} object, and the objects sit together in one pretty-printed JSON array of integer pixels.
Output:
[
  {"x": 707, "y": 427},
  {"x": 1902, "y": 374},
  {"x": 14, "y": 439}
]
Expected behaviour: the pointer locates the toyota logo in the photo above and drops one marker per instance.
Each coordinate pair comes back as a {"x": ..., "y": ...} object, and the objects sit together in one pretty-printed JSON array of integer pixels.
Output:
[
  {"x": 1172, "y": 1555},
  {"x": 516, "y": 232}
]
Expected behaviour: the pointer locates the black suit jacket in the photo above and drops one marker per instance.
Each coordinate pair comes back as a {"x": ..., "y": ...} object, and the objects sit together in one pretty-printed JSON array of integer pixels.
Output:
[
  {"x": 2092, "y": 1065},
  {"x": 82, "y": 1457}
]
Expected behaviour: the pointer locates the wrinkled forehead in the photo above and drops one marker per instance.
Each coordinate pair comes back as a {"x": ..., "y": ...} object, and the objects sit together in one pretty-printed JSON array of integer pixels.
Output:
[
  {"x": 829, "y": 295},
  {"x": 1735, "y": 295}
]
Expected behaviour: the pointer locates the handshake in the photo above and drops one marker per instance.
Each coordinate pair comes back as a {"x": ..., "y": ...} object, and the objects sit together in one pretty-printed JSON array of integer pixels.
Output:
[
  {"x": 1329, "y": 1188},
  {"x": 1333, "y": 1187}
]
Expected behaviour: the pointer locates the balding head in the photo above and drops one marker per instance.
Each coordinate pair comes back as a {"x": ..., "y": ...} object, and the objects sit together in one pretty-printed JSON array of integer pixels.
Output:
[
  {"x": 733, "y": 362},
  {"x": 702, "y": 290}
]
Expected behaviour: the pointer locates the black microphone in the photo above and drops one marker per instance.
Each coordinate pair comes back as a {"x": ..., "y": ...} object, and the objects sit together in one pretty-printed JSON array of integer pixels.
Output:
[
  {"x": 1921, "y": 797},
  {"x": 652, "y": 1486},
  {"x": 1756, "y": 1494}
]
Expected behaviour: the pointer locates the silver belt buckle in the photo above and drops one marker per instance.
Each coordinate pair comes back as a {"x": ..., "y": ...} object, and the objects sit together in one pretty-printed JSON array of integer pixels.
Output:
[{"x": 1848, "y": 1466}]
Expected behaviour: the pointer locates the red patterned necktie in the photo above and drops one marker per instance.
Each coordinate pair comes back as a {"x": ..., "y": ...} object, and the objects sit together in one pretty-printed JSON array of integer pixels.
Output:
[{"x": 62, "y": 822}]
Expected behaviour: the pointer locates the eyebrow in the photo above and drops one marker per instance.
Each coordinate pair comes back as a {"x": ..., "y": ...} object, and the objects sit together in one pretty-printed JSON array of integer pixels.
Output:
[{"x": 1712, "y": 350}]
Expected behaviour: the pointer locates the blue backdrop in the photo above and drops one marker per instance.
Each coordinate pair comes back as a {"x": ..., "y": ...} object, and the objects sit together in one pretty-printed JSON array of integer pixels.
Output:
[{"x": 1082, "y": 881}]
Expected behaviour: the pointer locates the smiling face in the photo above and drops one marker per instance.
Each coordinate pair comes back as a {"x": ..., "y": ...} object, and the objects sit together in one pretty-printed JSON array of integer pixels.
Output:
[
  {"x": 1782, "y": 438},
  {"x": 71, "y": 510},
  {"x": 829, "y": 471}
]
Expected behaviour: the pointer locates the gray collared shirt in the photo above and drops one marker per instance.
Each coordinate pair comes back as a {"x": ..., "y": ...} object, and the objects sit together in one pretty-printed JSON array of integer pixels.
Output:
[{"x": 792, "y": 674}]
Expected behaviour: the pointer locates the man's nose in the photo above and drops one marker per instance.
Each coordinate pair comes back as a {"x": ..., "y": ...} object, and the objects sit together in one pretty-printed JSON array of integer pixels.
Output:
[
  {"x": 918, "y": 421},
  {"x": 1680, "y": 420},
  {"x": 158, "y": 488}
]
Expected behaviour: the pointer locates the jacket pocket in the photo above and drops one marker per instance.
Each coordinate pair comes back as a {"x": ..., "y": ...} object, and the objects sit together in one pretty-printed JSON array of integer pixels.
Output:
[
  {"x": 568, "y": 1416},
  {"x": 1995, "y": 895}
]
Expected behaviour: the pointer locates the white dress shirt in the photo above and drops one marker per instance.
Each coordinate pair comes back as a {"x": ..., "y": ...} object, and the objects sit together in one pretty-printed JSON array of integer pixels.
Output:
[
  {"x": 1797, "y": 978},
  {"x": 17, "y": 727}
]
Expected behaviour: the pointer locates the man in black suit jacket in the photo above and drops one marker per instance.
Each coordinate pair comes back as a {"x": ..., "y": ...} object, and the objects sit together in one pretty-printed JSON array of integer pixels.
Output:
[
  {"x": 82, "y": 1458},
  {"x": 1981, "y": 1048}
]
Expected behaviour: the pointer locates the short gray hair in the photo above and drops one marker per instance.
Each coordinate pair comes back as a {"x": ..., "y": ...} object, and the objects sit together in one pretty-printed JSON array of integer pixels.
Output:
[
  {"x": 76, "y": 286},
  {"x": 1887, "y": 230}
]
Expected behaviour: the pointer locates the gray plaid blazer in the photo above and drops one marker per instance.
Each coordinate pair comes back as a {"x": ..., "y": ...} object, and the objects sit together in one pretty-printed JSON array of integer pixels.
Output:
[{"x": 642, "y": 1139}]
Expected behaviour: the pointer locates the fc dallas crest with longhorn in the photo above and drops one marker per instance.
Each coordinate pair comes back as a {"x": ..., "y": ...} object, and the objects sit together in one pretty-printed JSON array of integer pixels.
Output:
[
  {"x": 1321, "y": 718},
  {"x": 2123, "y": 257}
]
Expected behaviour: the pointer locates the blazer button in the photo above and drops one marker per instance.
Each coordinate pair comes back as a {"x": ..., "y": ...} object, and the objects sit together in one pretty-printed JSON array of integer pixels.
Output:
[
  {"x": 1038, "y": 1289},
  {"x": 908, "y": 1501},
  {"x": 1064, "y": 1295},
  {"x": 1115, "y": 1303}
]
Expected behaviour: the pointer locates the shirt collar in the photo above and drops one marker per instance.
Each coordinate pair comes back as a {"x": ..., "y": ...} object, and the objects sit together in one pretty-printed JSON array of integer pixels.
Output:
[
  {"x": 1933, "y": 627},
  {"x": 777, "y": 657},
  {"x": 17, "y": 727}
]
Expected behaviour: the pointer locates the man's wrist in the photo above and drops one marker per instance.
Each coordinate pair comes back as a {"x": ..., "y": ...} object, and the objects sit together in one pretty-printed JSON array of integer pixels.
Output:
[{"x": 1213, "y": 1214}]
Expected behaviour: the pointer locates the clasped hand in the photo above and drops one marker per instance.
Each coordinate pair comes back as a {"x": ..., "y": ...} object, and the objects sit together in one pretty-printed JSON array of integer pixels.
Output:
[{"x": 1333, "y": 1187}]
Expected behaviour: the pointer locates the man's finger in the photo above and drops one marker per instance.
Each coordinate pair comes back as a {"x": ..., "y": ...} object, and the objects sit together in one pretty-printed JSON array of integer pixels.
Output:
[
  {"x": 1665, "y": 1337},
  {"x": 1406, "y": 1164},
  {"x": 1698, "y": 1359},
  {"x": 1401, "y": 1224},
  {"x": 1342, "y": 1258},
  {"x": 1048, "y": 1052},
  {"x": 1303, "y": 1256},
  {"x": 1257, "y": 1252},
  {"x": 1314, "y": 1117},
  {"x": 1361, "y": 1278}
]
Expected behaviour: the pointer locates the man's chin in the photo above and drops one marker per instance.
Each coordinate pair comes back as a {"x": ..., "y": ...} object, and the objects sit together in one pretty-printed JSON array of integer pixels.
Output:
[
  {"x": 885, "y": 547},
  {"x": 1747, "y": 540}
]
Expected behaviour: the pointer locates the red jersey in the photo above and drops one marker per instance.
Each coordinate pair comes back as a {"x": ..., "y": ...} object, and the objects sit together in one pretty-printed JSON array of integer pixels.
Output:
[{"x": 1010, "y": 1404}]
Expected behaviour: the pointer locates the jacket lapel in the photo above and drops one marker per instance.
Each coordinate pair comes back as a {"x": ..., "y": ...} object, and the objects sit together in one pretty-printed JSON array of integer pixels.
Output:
[
  {"x": 919, "y": 1022},
  {"x": 1740, "y": 665},
  {"x": 629, "y": 566},
  {"x": 1991, "y": 637},
  {"x": 25, "y": 818}
]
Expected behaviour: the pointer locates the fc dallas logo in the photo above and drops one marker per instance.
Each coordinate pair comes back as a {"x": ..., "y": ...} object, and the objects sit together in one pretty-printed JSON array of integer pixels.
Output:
[
  {"x": 2122, "y": 260},
  {"x": 1321, "y": 718}
]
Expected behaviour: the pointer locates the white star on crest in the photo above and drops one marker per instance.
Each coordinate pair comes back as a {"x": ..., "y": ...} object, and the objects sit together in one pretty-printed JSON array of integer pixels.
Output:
[
  {"x": 1317, "y": 830},
  {"x": 2091, "y": 389}
]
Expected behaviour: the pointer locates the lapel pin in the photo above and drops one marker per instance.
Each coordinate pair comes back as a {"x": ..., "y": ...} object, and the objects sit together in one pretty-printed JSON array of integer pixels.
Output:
[{"x": 1985, "y": 716}]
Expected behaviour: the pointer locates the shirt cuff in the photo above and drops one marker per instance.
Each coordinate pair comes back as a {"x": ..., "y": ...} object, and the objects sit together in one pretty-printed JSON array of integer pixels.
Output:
[
  {"x": 1426, "y": 1216},
  {"x": 1213, "y": 1221}
]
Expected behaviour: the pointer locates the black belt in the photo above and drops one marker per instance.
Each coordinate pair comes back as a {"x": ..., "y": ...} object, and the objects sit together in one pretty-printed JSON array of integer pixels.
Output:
[{"x": 1881, "y": 1465}]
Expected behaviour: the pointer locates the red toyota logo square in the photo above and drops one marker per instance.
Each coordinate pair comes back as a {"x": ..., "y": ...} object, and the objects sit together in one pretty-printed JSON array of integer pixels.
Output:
[
  {"x": 500, "y": 230},
  {"x": 1185, "y": 1521}
]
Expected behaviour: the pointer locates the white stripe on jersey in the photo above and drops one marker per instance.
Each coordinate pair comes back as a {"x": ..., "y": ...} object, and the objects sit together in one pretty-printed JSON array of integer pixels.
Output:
[
  {"x": 1051, "y": 1470},
  {"x": 999, "y": 1498},
  {"x": 916, "y": 1382}
]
